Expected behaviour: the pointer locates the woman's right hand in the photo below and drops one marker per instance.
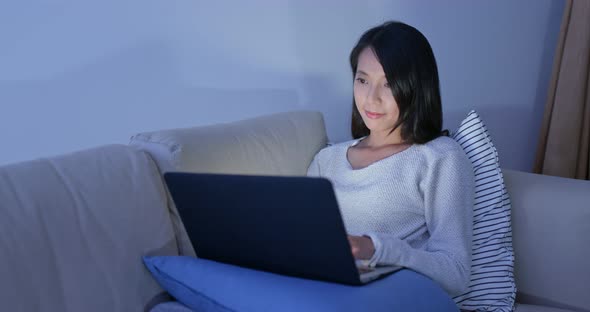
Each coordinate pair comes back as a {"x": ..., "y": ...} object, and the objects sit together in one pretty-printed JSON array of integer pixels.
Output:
[{"x": 362, "y": 247}]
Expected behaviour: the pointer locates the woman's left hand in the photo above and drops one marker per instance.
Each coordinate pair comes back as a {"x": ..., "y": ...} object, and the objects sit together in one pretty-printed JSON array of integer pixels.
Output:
[{"x": 362, "y": 247}]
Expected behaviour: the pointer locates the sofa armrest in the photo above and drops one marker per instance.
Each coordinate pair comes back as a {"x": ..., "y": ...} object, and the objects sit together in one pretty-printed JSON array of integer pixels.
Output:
[{"x": 551, "y": 239}]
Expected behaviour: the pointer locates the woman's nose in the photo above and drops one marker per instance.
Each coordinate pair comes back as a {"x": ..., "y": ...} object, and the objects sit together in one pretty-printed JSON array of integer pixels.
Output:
[{"x": 373, "y": 95}]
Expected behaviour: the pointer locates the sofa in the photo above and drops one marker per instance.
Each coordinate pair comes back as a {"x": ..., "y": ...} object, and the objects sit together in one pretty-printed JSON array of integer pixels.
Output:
[{"x": 74, "y": 227}]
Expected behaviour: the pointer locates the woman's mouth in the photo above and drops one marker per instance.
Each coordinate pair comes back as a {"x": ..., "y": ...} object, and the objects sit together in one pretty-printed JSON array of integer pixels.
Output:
[{"x": 373, "y": 115}]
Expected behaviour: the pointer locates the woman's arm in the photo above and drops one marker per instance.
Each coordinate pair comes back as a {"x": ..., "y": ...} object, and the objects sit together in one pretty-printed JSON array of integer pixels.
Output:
[{"x": 448, "y": 198}]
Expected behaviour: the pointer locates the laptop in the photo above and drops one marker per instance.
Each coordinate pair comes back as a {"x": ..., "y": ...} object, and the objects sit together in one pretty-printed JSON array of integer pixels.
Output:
[{"x": 286, "y": 225}]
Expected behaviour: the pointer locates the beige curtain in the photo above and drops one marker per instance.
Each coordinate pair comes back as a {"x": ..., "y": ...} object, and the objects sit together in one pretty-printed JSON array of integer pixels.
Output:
[{"x": 564, "y": 144}]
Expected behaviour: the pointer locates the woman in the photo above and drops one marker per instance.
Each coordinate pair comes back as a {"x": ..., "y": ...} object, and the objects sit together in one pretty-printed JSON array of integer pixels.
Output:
[{"x": 405, "y": 189}]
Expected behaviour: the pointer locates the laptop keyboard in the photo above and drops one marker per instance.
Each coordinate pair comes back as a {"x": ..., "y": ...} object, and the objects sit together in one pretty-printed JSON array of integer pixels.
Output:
[{"x": 365, "y": 269}]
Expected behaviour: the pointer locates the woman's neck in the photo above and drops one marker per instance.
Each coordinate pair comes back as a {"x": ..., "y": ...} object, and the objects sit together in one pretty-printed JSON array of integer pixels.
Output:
[{"x": 380, "y": 139}]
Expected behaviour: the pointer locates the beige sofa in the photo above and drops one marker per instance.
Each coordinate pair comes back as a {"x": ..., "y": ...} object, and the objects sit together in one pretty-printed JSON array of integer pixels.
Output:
[{"x": 73, "y": 228}]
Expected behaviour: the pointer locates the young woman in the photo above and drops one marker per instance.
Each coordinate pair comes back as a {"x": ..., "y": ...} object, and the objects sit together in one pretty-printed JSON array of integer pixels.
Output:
[{"x": 405, "y": 189}]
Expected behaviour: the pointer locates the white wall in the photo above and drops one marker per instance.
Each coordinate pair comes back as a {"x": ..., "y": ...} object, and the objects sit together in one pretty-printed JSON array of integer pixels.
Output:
[{"x": 77, "y": 74}]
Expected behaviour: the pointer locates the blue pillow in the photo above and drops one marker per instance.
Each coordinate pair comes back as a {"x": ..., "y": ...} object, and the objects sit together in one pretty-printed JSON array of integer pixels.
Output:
[
  {"x": 492, "y": 285},
  {"x": 205, "y": 285}
]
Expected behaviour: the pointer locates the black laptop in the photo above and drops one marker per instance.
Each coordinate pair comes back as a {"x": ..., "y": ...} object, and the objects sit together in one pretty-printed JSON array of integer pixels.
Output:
[{"x": 286, "y": 225}]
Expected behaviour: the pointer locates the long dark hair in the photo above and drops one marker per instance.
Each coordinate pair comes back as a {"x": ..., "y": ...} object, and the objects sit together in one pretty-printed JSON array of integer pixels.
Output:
[{"x": 410, "y": 68}]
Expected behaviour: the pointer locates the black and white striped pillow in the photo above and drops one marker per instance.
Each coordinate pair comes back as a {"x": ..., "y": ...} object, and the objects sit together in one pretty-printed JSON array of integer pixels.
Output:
[{"x": 492, "y": 286}]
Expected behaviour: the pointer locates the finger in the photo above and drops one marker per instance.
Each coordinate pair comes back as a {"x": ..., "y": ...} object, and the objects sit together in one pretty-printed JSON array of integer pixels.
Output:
[{"x": 355, "y": 251}]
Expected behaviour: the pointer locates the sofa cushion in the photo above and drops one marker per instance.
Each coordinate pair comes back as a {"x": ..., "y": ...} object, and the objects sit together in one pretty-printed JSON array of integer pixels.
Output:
[
  {"x": 205, "y": 285},
  {"x": 278, "y": 144},
  {"x": 171, "y": 306},
  {"x": 532, "y": 308},
  {"x": 551, "y": 225},
  {"x": 492, "y": 283},
  {"x": 73, "y": 230}
]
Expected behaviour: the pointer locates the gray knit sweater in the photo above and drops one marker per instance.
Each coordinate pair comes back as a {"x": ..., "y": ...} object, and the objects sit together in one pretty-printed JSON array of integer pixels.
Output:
[{"x": 416, "y": 205}]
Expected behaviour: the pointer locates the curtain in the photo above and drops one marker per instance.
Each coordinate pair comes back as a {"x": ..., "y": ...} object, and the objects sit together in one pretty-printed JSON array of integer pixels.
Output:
[{"x": 564, "y": 143}]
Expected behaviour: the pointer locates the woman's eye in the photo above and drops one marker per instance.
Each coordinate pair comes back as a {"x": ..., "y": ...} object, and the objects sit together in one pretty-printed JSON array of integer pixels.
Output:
[
  {"x": 387, "y": 85},
  {"x": 361, "y": 80}
]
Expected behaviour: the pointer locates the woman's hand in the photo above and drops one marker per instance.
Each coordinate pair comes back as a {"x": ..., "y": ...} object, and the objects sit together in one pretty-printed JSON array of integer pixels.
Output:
[{"x": 362, "y": 247}]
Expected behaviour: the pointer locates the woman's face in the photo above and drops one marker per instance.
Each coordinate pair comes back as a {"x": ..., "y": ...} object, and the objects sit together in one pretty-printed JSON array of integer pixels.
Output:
[{"x": 372, "y": 94}]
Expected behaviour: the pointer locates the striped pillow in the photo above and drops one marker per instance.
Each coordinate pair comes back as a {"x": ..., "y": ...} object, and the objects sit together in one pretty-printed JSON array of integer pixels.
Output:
[{"x": 492, "y": 286}]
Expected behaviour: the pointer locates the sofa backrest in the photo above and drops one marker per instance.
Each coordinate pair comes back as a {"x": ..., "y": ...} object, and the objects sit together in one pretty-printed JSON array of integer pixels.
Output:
[
  {"x": 551, "y": 239},
  {"x": 73, "y": 230}
]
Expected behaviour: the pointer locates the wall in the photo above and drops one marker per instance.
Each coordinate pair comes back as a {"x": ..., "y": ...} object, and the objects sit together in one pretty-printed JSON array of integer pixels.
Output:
[{"x": 77, "y": 74}]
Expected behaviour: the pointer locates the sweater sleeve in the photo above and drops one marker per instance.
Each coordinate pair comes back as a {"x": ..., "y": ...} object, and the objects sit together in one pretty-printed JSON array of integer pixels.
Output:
[{"x": 448, "y": 190}]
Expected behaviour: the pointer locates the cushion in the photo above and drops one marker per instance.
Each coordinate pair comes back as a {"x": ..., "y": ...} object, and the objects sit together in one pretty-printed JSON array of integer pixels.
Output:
[
  {"x": 205, "y": 285},
  {"x": 492, "y": 285},
  {"x": 278, "y": 144}
]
